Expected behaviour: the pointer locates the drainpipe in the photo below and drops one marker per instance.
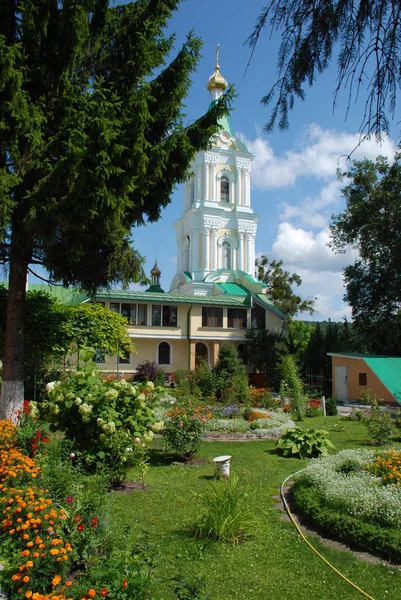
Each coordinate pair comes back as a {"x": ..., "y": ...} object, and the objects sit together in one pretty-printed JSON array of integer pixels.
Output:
[{"x": 189, "y": 335}]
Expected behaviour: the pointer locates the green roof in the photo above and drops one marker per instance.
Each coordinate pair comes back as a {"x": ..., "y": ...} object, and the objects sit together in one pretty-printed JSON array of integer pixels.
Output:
[
  {"x": 171, "y": 297},
  {"x": 65, "y": 295},
  {"x": 388, "y": 370},
  {"x": 233, "y": 289}
]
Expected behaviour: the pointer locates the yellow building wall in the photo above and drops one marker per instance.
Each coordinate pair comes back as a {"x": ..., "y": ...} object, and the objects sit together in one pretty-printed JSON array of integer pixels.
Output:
[{"x": 354, "y": 367}]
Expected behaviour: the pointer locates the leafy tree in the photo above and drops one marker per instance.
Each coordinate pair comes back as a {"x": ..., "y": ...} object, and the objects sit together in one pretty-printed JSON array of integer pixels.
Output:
[
  {"x": 299, "y": 334},
  {"x": 92, "y": 142},
  {"x": 279, "y": 288},
  {"x": 371, "y": 223},
  {"x": 367, "y": 39},
  {"x": 54, "y": 330},
  {"x": 265, "y": 350}
]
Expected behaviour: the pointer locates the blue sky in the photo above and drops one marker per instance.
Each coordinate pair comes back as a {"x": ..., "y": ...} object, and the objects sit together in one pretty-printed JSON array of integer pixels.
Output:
[{"x": 294, "y": 187}]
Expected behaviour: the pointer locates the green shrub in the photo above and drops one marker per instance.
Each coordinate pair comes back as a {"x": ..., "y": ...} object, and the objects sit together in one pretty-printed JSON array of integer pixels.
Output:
[
  {"x": 292, "y": 387},
  {"x": 331, "y": 407},
  {"x": 225, "y": 512},
  {"x": 379, "y": 425},
  {"x": 184, "y": 430},
  {"x": 304, "y": 442},
  {"x": 108, "y": 421},
  {"x": 386, "y": 541},
  {"x": 232, "y": 386}
]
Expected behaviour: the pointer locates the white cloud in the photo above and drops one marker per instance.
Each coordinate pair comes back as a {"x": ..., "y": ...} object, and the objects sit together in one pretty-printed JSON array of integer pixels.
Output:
[
  {"x": 304, "y": 249},
  {"x": 319, "y": 153}
]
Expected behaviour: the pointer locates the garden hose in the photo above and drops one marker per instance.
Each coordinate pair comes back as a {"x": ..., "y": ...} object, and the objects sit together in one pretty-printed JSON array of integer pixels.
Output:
[{"x": 358, "y": 589}]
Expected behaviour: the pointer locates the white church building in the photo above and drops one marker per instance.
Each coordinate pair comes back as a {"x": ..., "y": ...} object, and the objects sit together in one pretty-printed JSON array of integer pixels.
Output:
[{"x": 214, "y": 296}]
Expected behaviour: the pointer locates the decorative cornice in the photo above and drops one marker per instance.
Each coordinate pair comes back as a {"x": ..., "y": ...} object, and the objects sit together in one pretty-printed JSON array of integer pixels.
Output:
[{"x": 243, "y": 163}]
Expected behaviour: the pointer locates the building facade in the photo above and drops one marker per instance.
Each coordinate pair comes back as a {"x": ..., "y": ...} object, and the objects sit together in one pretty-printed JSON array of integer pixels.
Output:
[{"x": 214, "y": 296}]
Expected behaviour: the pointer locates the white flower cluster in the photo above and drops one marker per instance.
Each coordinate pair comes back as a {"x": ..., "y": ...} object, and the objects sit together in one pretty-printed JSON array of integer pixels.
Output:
[
  {"x": 111, "y": 395},
  {"x": 108, "y": 428},
  {"x": 157, "y": 427},
  {"x": 33, "y": 410},
  {"x": 354, "y": 490},
  {"x": 85, "y": 410}
]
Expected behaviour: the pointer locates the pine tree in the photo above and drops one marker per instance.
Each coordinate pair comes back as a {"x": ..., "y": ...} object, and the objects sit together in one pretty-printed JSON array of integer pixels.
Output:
[{"x": 92, "y": 142}]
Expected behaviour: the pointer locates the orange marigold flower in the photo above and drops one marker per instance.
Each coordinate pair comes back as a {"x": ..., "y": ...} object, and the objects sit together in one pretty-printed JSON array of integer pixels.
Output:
[
  {"x": 29, "y": 564},
  {"x": 25, "y": 579},
  {"x": 56, "y": 580},
  {"x": 68, "y": 583},
  {"x": 91, "y": 593}
]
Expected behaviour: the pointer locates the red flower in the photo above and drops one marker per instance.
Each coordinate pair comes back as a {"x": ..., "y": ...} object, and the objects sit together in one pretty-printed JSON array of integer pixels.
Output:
[
  {"x": 45, "y": 440},
  {"x": 26, "y": 407},
  {"x": 94, "y": 522},
  {"x": 125, "y": 583},
  {"x": 81, "y": 527},
  {"x": 38, "y": 435},
  {"x": 104, "y": 592},
  {"x": 77, "y": 518}
]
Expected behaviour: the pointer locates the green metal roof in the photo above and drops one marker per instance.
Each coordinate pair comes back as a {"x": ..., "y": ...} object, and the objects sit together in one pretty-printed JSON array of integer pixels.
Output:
[
  {"x": 234, "y": 289},
  {"x": 388, "y": 370},
  {"x": 171, "y": 298},
  {"x": 69, "y": 295}
]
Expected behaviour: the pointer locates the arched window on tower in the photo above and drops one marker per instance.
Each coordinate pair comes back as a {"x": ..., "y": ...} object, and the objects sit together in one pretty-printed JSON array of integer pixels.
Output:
[
  {"x": 226, "y": 255},
  {"x": 224, "y": 189},
  {"x": 192, "y": 192}
]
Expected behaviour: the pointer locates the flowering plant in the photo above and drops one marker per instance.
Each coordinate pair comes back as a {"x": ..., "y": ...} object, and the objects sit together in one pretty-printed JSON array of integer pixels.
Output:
[
  {"x": 184, "y": 430},
  {"x": 102, "y": 417}
]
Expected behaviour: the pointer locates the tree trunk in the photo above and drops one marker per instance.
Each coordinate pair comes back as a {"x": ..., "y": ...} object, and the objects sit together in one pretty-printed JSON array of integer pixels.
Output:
[{"x": 12, "y": 389}]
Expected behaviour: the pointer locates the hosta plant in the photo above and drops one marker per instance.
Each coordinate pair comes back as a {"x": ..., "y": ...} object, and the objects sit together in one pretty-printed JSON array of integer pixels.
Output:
[{"x": 304, "y": 442}]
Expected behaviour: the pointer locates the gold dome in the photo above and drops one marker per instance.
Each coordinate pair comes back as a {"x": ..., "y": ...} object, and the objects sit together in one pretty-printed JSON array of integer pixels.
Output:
[
  {"x": 155, "y": 272},
  {"x": 217, "y": 81}
]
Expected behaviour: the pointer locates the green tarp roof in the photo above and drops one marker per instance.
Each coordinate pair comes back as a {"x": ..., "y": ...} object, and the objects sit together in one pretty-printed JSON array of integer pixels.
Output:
[{"x": 388, "y": 370}]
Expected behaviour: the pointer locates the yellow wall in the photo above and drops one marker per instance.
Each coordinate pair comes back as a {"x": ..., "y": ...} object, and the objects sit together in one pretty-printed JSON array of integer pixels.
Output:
[{"x": 354, "y": 367}]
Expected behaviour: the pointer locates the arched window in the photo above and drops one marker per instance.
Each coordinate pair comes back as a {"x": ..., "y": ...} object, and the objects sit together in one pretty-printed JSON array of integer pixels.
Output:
[
  {"x": 164, "y": 354},
  {"x": 224, "y": 189},
  {"x": 201, "y": 353},
  {"x": 226, "y": 255},
  {"x": 192, "y": 192}
]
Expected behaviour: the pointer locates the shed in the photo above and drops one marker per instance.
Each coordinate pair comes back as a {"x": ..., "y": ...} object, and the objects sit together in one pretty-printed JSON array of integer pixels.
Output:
[{"x": 355, "y": 373}]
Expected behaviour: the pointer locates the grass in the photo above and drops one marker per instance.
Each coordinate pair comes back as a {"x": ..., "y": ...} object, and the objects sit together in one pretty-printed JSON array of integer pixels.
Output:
[{"x": 273, "y": 562}]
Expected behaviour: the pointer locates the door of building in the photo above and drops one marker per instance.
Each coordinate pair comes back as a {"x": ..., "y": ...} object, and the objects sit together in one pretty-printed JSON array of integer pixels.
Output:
[{"x": 341, "y": 384}]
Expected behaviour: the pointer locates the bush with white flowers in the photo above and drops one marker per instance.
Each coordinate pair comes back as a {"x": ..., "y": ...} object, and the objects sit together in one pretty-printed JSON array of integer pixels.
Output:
[{"x": 110, "y": 421}]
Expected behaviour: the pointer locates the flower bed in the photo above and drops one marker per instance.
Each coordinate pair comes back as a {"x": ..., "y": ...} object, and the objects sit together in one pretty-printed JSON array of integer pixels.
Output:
[
  {"x": 259, "y": 424},
  {"x": 349, "y": 494},
  {"x": 46, "y": 549}
]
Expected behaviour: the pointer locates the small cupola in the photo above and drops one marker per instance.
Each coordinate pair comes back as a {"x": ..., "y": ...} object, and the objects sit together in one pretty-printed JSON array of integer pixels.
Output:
[{"x": 155, "y": 274}]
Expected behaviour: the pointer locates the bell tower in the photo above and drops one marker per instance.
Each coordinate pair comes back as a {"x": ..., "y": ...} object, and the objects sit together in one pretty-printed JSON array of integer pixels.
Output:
[{"x": 217, "y": 227}]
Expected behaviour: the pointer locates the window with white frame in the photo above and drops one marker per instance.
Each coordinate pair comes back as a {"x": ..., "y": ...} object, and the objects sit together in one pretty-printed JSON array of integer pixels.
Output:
[
  {"x": 164, "y": 315},
  {"x": 237, "y": 318},
  {"x": 135, "y": 313},
  {"x": 164, "y": 354},
  {"x": 212, "y": 316}
]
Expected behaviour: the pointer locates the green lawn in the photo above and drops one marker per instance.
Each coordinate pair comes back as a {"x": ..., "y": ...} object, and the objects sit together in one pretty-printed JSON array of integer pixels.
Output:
[{"x": 273, "y": 563}]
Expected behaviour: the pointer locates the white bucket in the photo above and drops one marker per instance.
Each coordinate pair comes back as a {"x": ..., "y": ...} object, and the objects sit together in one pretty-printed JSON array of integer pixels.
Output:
[{"x": 222, "y": 465}]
